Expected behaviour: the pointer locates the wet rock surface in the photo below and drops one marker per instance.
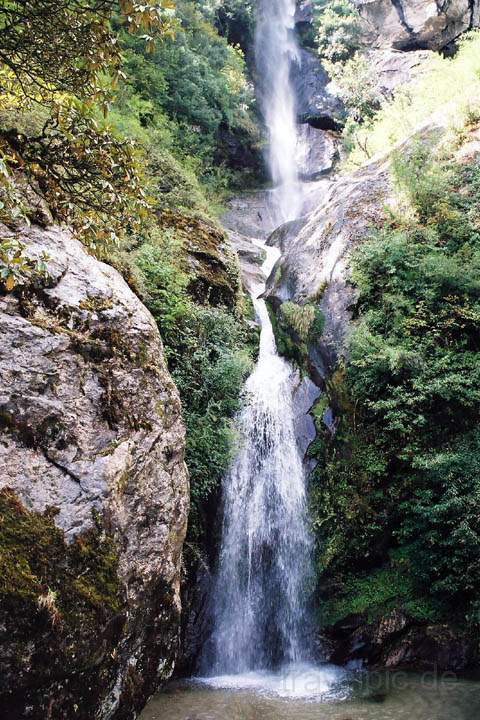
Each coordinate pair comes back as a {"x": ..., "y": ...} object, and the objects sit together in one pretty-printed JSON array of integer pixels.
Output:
[
  {"x": 413, "y": 25},
  {"x": 315, "y": 263},
  {"x": 94, "y": 492},
  {"x": 398, "y": 642},
  {"x": 317, "y": 152}
]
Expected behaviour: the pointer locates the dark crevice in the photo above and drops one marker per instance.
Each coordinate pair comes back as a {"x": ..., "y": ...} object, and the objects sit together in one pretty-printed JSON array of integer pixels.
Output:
[
  {"x": 472, "y": 7},
  {"x": 321, "y": 122},
  {"x": 61, "y": 467}
]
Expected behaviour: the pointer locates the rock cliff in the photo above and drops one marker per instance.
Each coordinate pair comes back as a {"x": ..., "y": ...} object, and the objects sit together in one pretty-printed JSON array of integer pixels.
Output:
[
  {"x": 411, "y": 25},
  {"x": 94, "y": 492}
]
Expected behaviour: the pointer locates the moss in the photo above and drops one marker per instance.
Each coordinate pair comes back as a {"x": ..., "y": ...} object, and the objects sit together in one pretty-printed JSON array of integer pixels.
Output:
[
  {"x": 318, "y": 411},
  {"x": 61, "y": 614},
  {"x": 375, "y": 595},
  {"x": 287, "y": 346},
  {"x": 214, "y": 277},
  {"x": 296, "y": 328},
  {"x": 339, "y": 394},
  {"x": 160, "y": 408},
  {"x": 110, "y": 448},
  {"x": 34, "y": 557},
  {"x": 96, "y": 304}
]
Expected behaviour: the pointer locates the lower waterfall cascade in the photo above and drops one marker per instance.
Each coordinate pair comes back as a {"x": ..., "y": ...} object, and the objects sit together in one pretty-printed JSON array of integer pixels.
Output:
[{"x": 259, "y": 617}]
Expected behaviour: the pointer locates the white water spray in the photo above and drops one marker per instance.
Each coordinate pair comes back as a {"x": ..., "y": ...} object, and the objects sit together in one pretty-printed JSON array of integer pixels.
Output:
[
  {"x": 276, "y": 49},
  {"x": 260, "y": 619}
]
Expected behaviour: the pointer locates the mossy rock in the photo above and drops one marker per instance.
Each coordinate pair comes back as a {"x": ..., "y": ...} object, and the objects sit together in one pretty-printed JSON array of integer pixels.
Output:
[
  {"x": 60, "y": 608},
  {"x": 209, "y": 260}
]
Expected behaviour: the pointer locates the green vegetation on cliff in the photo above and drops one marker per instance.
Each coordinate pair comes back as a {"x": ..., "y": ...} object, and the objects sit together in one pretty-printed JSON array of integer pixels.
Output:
[
  {"x": 193, "y": 292},
  {"x": 337, "y": 25},
  {"x": 395, "y": 494}
]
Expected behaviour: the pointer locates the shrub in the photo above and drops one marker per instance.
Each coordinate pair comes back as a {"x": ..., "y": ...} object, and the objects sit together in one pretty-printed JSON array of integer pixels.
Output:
[
  {"x": 395, "y": 490},
  {"x": 338, "y": 29},
  {"x": 356, "y": 84},
  {"x": 209, "y": 352}
]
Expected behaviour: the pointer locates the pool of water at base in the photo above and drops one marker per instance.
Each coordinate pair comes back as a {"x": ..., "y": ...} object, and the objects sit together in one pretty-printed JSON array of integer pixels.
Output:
[{"x": 319, "y": 693}]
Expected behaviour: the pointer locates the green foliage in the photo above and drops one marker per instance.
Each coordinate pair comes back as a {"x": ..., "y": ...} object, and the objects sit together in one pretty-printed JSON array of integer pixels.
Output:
[
  {"x": 430, "y": 95},
  {"x": 65, "y": 46},
  {"x": 375, "y": 595},
  {"x": 15, "y": 266},
  {"x": 210, "y": 377},
  {"x": 296, "y": 327},
  {"x": 209, "y": 352},
  {"x": 88, "y": 175},
  {"x": 166, "y": 283},
  {"x": 193, "y": 88},
  {"x": 356, "y": 84},
  {"x": 34, "y": 558},
  {"x": 235, "y": 20},
  {"x": 442, "y": 523},
  {"x": 397, "y": 488},
  {"x": 181, "y": 112},
  {"x": 338, "y": 29},
  {"x": 299, "y": 318}
]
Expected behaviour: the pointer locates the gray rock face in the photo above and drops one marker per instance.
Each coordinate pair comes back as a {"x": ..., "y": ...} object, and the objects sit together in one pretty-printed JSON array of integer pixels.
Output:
[
  {"x": 250, "y": 257},
  {"x": 304, "y": 395},
  {"x": 395, "y": 67},
  {"x": 304, "y": 11},
  {"x": 315, "y": 262},
  {"x": 316, "y": 104},
  {"x": 91, "y": 426},
  {"x": 248, "y": 221},
  {"x": 416, "y": 24},
  {"x": 317, "y": 151},
  {"x": 396, "y": 641},
  {"x": 250, "y": 216}
]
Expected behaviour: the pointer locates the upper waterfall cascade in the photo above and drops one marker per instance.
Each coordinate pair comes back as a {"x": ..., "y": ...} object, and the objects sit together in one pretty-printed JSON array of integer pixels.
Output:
[
  {"x": 260, "y": 617},
  {"x": 276, "y": 49}
]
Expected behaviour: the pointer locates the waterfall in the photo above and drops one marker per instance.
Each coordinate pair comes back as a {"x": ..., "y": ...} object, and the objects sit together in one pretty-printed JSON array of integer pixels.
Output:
[
  {"x": 259, "y": 618},
  {"x": 276, "y": 49}
]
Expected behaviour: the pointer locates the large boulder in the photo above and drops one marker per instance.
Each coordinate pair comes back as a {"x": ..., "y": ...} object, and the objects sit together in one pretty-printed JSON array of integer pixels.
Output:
[
  {"x": 393, "y": 68},
  {"x": 417, "y": 24},
  {"x": 93, "y": 492},
  {"x": 396, "y": 641},
  {"x": 315, "y": 265},
  {"x": 317, "y": 152}
]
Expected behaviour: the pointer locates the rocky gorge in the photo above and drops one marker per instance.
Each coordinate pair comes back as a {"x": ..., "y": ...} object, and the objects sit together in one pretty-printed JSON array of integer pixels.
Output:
[
  {"x": 104, "y": 595},
  {"x": 315, "y": 272}
]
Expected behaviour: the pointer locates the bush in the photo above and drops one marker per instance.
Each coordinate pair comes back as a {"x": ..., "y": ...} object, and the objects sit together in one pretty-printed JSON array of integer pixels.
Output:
[
  {"x": 209, "y": 352},
  {"x": 338, "y": 29},
  {"x": 450, "y": 88},
  {"x": 395, "y": 491},
  {"x": 356, "y": 84}
]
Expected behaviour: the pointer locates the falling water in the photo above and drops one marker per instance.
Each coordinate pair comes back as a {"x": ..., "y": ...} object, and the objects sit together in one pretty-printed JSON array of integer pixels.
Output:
[
  {"x": 276, "y": 49},
  {"x": 260, "y": 621}
]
